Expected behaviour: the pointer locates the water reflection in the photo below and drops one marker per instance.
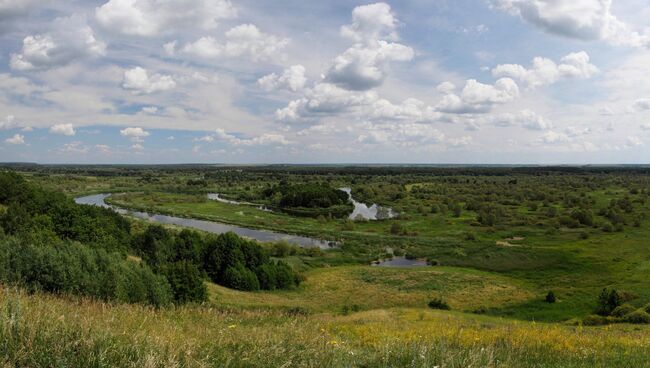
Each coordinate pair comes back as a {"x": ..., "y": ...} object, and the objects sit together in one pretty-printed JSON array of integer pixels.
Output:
[
  {"x": 363, "y": 212},
  {"x": 209, "y": 226}
]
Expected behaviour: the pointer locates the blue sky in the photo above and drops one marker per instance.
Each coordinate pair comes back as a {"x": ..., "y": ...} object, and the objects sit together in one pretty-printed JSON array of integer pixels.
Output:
[{"x": 422, "y": 81}]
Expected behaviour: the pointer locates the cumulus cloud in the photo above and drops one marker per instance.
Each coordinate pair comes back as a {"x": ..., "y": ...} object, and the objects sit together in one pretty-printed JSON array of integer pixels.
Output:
[
  {"x": 552, "y": 137},
  {"x": 371, "y": 22},
  {"x": 136, "y": 134},
  {"x": 150, "y": 18},
  {"x": 17, "y": 139},
  {"x": 526, "y": 119},
  {"x": 138, "y": 81},
  {"x": 70, "y": 39},
  {"x": 243, "y": 40},
  {"x": 363, "y": 66},
  {"x": 75, "y": 147},
  {"x": 632, "y": 141},
  {"x": 544, "y": 71},
  {"x": 579, "y": 19},
  {"x": 477, "y": 97},
  {"x": 63, "y": 129},
  {"x": 264, "y": 139},
  {"x": 400, "y": 134},
  {"x": 8, "y": 123},
  {"x": 293, "y": 79}
]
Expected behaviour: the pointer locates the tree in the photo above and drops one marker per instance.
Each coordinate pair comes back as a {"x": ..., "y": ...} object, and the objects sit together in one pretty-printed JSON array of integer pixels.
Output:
[
  {"x": 608, "y": 300},
  {"x": 186, "y": 282}
]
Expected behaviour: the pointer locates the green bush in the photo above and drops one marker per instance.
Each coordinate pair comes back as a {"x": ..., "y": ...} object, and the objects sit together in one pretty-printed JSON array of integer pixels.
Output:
[
  {"x": 240, "y": 278},
  {"x": 438, "y": 303},
  {"x": 638, "y": 316},
  {"x": 623, "y": 310},
  {"x": 608, "y": 300},
  {"x": 186, "y": 282},
  {"x": 550, "y": 297}
]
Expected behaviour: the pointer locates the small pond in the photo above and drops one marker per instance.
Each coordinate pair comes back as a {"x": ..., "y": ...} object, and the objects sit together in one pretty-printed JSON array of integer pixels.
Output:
[{"x": 362, "y": 211}]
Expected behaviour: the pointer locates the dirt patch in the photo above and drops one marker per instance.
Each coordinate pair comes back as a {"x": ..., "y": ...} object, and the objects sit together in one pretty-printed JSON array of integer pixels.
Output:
[{"x": 502, "y": 243}]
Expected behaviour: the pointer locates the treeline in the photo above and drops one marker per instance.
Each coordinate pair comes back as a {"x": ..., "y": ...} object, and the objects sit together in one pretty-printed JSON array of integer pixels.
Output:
[
  {"x": 309, "y": 199},
  {"x": 47, "y": 242}
]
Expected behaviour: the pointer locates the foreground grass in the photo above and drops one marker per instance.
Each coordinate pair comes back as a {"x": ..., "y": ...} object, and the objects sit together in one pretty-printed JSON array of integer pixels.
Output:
[{"x": 45, "y": 330}]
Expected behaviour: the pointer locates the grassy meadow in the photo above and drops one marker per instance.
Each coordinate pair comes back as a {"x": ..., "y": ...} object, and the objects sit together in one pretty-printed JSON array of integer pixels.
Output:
[{"x": 498, "y": 242}]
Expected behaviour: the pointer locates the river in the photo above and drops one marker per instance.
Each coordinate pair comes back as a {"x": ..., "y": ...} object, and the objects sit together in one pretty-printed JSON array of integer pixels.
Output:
[{"x": 209, "y": 226}]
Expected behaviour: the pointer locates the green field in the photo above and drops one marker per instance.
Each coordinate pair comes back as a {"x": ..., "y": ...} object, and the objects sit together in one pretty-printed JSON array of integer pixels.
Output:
[{"x": 499, "y": 241}]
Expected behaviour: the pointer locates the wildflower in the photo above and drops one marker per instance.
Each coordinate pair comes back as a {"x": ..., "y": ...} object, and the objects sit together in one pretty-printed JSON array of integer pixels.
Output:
[{"x": 232, "y": 326}]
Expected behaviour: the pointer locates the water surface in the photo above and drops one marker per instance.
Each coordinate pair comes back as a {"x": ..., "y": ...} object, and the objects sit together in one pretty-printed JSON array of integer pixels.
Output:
[
  {"x": 209, "y": 226},
  {"x": 362, "y": 211}
]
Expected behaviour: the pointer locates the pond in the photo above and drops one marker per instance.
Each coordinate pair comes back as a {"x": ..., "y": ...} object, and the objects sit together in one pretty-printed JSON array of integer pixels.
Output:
[
  {"x": 209, "y": 226},
  {"x": 400, "y": 262},
  {"x": 362, "y": 211}
]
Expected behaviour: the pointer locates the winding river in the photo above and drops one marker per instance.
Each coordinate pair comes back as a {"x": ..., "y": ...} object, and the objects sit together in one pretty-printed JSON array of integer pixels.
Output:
[{"x": 209, "y": 226}]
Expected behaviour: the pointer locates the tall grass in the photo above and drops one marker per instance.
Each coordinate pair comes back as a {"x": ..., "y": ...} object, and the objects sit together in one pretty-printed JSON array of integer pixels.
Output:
[{"x": 40, "y": 330}]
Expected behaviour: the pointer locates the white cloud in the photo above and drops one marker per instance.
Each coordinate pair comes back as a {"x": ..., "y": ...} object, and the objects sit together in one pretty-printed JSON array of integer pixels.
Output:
[
  {"x": 477, "y": 97},
  {"x": 642, "y": 104},
  {"x": 400, "y": 134},
  {"x": 75, "y": 147},
  {"x": 243, "y": 40},
  {"x": 8, "y": 123},
  {"x": 293, "y": 79},
  {"x": 139, "y": 82},
  {"x": 264, "y": 139},
  {"x": 151, "y": 110},
  {"x": 580, "y": 19},
  {"x": 552, "y": 137},
  {"x": 136, "y": 134},
  {"x": 371, "y": 22},
  {"x": 16, "y": 139},
  {"x": 645, "y": 126},
  {"x": 63, "y": 129},
  {"x": 137, "y": 147},
  {"x": 633, "y": 141},
  {"x": 544, "y": 71},
  {"x": 362, "y": 66},
  {"x": 365, "y": 64},
  {"x": 156, "y": 17},
  {"x": 70, "y": 39},
  {"x": 526, "y": 119}
]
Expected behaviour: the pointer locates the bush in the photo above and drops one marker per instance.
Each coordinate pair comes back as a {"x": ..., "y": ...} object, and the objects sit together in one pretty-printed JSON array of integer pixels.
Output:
[
  {"x": 623, "y": 310},
  {"x": 240, "y": 278},
  {"x": 608, "y": 300},
  {"x": 550, "y": 297},
  {"x": 68, "y": 267},
  {"x": 438, "y": 303},
  {"x": 639, "y": 317}
]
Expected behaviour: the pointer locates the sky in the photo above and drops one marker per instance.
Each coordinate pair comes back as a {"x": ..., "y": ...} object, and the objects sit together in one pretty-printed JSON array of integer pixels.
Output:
[{"x": 340, "y": 81}]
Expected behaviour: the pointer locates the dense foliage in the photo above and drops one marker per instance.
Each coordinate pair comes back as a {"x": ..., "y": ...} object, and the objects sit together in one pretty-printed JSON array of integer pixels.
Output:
[
  {"x": 50, "y": 243},
  {"x": 309, "y": 199}
]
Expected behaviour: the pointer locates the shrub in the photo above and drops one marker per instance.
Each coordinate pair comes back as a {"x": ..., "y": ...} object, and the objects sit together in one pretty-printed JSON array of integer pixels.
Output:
[
  {"x": 638, "y": 316},
  {"x": 438, "y": 303},
  {"x": 608, "y": 300},
  {"x": 622, "y": 310},
  {"x": 550, "y": 297},
  {"x": 240, "y": 278}
]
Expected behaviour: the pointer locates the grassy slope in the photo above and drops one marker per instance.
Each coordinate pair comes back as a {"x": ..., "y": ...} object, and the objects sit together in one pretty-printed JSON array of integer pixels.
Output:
[{"x": 43, "y": 330}]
